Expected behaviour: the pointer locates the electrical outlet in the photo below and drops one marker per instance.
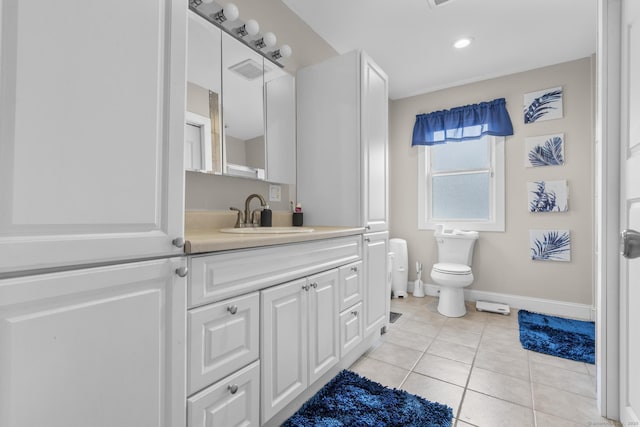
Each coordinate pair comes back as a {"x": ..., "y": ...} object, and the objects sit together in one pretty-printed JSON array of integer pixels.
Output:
[{"x": 275, "y": 193}]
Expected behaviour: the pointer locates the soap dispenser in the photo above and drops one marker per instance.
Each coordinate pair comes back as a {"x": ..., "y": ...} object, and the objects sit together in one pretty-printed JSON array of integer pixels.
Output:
[{"x": 265, "y": 217}]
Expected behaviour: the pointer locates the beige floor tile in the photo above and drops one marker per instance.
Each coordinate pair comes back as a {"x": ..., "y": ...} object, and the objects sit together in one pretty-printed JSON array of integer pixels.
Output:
[
  {"x": 421, "y": 328},
  {"x": 496, "y": 331},
  {"x": 506, "y": 321},
  {"x": 468, "y": 324},
  {"x": 449, "y": 350},
  {"x": 436, "y": 319},
  {"x": 573, "y": 407},
  {"x": 503, "y": 363},
  {"x": 460, "y": 423},
  {"x": 546, "y": 420},
  {"x": 434, "y": 390},
  {"x": 591, "y": 368},
  {"x": 486, "y": 411},
  {"x": 407, "y": 339},
  {"x": 380, "y": 372},
  {"x": 459, "y": 336},
  {"x": 503, "y": 345},
  {"x": 574, "y": 382},
  {"x": 396, "y": 355},
  {"x": 559, "y": 362},
  {"x": 501, "y": 386},
  {"x": 443, "y": 369}
]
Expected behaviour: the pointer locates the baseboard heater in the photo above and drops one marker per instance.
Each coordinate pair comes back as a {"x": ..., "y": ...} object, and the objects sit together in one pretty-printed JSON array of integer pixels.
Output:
[{"x": 493, "y": 307}]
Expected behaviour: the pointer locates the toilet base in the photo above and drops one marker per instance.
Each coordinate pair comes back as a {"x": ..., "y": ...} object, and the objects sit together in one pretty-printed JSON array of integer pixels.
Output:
[{"x": 451, "y": 302}]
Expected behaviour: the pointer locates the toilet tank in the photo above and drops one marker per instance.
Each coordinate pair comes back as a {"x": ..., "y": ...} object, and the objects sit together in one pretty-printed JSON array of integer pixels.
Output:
[{"x": 456, "y": 246}]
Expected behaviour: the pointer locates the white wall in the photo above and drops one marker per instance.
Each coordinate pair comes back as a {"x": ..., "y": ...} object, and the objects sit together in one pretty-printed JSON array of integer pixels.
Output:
[{"x": 502, "y": 262}]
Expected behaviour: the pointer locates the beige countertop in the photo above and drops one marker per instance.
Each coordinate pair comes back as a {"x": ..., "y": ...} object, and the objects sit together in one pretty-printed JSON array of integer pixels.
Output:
[
  {"x": 214, "y": 240},
  {"x": 202, "y": 233}
]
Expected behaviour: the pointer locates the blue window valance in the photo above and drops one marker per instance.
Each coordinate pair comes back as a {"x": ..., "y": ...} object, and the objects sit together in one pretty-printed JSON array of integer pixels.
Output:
[{"x": 461, "y": 123}]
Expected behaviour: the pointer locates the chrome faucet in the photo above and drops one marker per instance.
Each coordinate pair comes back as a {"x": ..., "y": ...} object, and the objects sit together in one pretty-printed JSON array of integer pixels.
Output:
[{"x": 249, "y": 216}]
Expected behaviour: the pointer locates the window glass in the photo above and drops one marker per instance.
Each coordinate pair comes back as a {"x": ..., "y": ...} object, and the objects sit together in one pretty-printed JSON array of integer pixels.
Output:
[
  {"x": 464, "y": 196},
  {"x": 460, "y": 156}
]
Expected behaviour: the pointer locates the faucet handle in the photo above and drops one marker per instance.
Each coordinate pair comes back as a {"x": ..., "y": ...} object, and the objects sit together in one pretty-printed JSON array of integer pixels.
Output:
[{"x": 239, "y": 218}]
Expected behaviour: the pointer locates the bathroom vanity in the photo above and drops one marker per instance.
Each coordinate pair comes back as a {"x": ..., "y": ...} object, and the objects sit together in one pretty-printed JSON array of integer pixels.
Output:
[{"x": 271, "y": 318}]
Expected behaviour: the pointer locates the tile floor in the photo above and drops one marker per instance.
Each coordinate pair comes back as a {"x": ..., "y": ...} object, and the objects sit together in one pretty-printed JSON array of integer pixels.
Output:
[{"x": 476, "y": 365}]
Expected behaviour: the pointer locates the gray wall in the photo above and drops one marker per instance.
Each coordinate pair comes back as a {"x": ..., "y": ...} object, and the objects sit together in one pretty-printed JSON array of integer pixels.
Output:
[{"x": 501, "y": 260}]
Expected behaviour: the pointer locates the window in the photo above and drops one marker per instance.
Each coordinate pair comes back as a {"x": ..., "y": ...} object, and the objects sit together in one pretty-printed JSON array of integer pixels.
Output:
[{"x": 461, "y": 184}]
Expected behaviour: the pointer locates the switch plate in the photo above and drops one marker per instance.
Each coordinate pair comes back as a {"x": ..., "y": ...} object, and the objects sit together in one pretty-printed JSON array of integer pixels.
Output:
[{"x": 275, "y": 193}]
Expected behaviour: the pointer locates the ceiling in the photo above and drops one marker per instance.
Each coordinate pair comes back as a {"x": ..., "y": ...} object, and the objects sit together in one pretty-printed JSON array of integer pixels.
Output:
[{"x": 412, "y": 39}]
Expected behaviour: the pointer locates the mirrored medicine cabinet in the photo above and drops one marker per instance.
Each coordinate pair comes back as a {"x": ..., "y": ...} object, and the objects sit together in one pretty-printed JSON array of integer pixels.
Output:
[{"x": 240, "y": 118}]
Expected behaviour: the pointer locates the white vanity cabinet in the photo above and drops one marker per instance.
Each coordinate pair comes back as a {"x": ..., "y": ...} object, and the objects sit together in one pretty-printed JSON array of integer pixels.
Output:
[
  {"x": 91, "y": 132},
  {"x": 342, "y": 122},
  {"x": 300, "y": 337},
  {"x": 351, "y": 307},
  {"x": 98, "y": 347}
]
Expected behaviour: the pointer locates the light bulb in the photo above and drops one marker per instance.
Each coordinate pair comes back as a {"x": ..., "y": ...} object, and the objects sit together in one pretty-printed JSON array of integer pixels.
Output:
[
  {"x": 462, "y": 43},
  {"x": 285, "y": 51},
  {"x": 252, "y": 27},
  {"x": 269, "y": 39},
  {"x": 231, "y": 12}
]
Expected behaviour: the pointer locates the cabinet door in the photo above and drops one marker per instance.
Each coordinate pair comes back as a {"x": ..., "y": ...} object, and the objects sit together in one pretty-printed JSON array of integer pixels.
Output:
[
  {"x": 324, "y": 331},
  {"x": 350, "y": 328},
  {"x": 100, "y": 347},
  {"x": 284, "y": 345},
  {"x": 234, "y": 401},
  {"x": 350, "y": 284},
  {"x": 375, "y": 281},
  {"x": 223, "y": 337},
  {"x": 374, "y": 134},
  {"x": 91, "y": 131}
]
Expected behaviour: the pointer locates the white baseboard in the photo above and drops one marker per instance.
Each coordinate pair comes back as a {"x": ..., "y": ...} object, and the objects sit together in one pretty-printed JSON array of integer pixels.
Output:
[{"x": 539, "y": 305}]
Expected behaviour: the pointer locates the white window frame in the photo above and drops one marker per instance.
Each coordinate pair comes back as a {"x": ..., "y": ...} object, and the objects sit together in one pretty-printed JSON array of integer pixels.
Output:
[{"x": 496, "y": 221}]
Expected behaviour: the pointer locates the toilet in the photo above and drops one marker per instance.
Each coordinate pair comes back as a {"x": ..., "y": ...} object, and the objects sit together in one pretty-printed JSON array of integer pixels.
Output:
[{"x": 452, "y": 272}]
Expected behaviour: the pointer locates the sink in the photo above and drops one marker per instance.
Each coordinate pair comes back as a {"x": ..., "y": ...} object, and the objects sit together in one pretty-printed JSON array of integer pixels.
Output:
[{"x": 267, "y": 230}]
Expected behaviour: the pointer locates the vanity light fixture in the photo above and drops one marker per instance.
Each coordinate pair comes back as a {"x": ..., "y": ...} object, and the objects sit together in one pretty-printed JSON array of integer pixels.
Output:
[
  {"x": 228, "y": 13},
  {"x": 284, "y": 52},
  {"x": 463, "y": 42},
  {"x": 247, "y": 32},
  {"x": 250, "y": 28},
  {"x": 267, "y": 40}
]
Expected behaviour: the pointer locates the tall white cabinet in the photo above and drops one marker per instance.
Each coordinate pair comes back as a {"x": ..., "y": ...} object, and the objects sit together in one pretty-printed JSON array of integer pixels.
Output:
[
  {"x": 342, "y": 174},
  {"x": 91, "y": 183},
  {"x": 91, "y": 113}
]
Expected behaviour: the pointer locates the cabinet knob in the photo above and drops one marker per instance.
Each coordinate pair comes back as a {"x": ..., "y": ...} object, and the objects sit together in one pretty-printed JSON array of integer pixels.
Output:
[
  {"x": 233, "y": 309},
  {"x": 314, "y": 285},
  {"x": 233, "y": 388},
  {"x": 306, "y": 287},
  {"x": 182, "y": 271},
  {"x": 354, "y": 313},
  {"x": 354, "y": 268},
  {"x": 368, "y": 227},
  {"x": 366, "y": 239},
  {"x": 178, "y": 242}
]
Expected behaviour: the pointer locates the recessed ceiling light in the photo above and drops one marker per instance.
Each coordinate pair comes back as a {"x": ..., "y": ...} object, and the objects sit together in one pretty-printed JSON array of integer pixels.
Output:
[{"x": 463, "y": 42}]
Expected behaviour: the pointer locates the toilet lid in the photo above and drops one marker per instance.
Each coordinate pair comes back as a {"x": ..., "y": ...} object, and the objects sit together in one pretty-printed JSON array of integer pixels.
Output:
[{"x": 452, "y": 268}]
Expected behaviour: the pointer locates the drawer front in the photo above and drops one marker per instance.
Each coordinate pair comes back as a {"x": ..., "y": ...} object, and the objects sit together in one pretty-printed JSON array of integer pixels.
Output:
[
  {"x": 350, "y": 284},
  {"x": 223, "y": 337},
  {"x": 351, "y": 328},
  {"x": 219, "y": 276},
  {"x": 233, "y": 401}
]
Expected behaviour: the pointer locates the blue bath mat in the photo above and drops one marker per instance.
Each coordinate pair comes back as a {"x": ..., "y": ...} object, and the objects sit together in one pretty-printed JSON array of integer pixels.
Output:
[
  {"x": 350, "y": 400},
  {"x": 566, "y": 338}
]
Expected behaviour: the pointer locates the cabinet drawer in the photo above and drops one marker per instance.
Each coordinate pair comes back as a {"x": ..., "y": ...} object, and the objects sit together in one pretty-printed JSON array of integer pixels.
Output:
[
  {"x": 219, "y": 276},
  {"x": 350, "y": 284},
  {"x": 351, "y": 328},
  {"x": 233, "y": 401},
  {"x": 223, "y": 337}
]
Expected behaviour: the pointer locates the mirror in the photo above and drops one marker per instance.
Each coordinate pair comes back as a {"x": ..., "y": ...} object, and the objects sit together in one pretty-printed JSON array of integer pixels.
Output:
[
  {"x": 203, "y": 142},
  {"x": 243, "y": 112},
  {"x": 240, "y": 117}
]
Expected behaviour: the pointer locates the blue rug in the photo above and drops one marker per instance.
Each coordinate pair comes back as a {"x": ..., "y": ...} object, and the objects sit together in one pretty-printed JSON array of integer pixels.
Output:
[
  {"x": 566, "y": 338},
  {"x": 350, "y": 400}
]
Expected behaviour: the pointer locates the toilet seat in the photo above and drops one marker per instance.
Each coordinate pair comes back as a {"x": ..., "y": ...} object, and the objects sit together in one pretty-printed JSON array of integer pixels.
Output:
[{"x": 453, "y": 269}]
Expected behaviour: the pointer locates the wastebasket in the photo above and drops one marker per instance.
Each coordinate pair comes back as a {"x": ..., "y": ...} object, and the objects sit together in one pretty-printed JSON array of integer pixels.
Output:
[{"x": 400, "y": 268}]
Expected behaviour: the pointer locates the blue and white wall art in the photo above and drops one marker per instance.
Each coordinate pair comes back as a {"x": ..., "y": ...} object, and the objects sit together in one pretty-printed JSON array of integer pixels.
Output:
[
  {"x": 546, "y": 150},
  {"x": 543, "y": 105},
  {"x": 548, "y": 196},
  {"x": 550, "y": 245}
]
